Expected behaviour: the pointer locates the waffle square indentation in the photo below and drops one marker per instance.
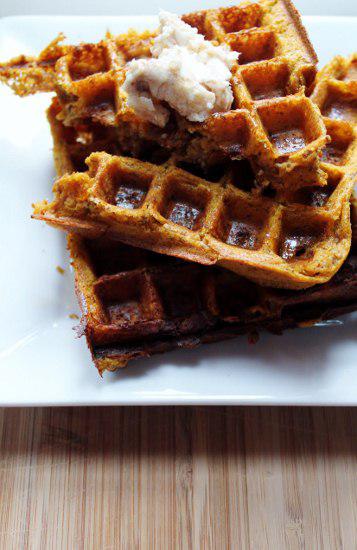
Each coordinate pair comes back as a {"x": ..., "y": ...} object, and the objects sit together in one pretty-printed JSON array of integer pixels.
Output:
[
  {"x": 121, "y": 298},
  {"x": 289, "y": 125},
  {"x": 125, "y": 188},
  {"x": 242, "y": 223},
  {"x": 299, "y": 236},
  {"x": 341, "y": 135},
  {"x": 254, "y": 45},
  {"x": 180, "y": 293},
  {"x": 338, "y": 106},
  {"x": 112, "y": 257},
  {"x": 266, "y": 80},
  {"x": 185, "y": 203},
  {"x": 130, "y": 195}
]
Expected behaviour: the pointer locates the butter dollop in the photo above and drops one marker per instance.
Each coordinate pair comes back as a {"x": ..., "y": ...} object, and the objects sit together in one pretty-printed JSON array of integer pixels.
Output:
[{"x": 187, "y": 72}]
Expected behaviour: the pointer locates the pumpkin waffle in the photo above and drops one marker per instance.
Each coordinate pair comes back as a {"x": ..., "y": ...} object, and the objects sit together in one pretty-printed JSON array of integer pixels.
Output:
[
  {"x": 272, "y": 123},
  {"x": 171, "y": 211},
  {"x": 136, "y": 303},
  {"x": 335, "y": 93}
]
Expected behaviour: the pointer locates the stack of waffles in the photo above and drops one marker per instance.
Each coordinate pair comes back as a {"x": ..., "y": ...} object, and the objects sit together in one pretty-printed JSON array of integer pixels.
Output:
[{"x": 199, "y": 231}]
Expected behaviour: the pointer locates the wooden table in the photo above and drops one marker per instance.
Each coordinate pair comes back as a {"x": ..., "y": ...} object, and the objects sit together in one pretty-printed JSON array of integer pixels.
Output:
[{"x": 200, "y": 478}]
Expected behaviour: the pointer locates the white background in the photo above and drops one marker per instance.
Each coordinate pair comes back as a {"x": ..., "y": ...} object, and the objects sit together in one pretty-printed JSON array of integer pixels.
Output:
[{"x": 137, "y": 7}]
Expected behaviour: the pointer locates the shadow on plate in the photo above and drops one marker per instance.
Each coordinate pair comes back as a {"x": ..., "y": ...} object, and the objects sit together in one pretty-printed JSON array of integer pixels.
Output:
[{"x": 293, "y": 353}]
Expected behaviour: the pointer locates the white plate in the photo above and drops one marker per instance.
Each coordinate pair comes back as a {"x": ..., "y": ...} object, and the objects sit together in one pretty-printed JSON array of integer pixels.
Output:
[{"x": 41, "y": 361}]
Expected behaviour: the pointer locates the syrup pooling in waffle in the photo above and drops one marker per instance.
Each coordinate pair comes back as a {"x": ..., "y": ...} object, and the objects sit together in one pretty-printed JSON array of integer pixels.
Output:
[
  {"x": 271, "y": 122},
  {"x": 169, "y": 210}
]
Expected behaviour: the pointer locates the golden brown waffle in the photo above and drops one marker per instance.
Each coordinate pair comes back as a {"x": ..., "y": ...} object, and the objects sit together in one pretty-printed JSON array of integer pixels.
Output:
[
  {"x": 224, "y": 221},
  {"x": 136, "y": 303},
  {"x": 335, "y": 93},
  {"x": 169, "y": 210},
  {"x": 272, "y": 122}
]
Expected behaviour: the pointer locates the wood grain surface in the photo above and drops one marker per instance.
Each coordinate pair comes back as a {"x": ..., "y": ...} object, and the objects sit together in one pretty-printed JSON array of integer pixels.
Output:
[{"x": 200, "y": 478}]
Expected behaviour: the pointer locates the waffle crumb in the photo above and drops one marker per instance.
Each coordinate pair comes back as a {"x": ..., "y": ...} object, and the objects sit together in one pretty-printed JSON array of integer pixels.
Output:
[
  {"x": 189, "y": 73},
  {"x": 60, "y": 270},
  {"x": 73, "y": 316}
]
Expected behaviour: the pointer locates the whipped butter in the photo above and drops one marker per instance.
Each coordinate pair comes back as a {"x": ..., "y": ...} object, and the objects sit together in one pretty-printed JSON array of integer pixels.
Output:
[{"x": 186, "y": 72}]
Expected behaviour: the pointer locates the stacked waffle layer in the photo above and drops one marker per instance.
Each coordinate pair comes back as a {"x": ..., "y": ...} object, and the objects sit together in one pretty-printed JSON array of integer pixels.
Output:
[
  {"x": 136, "y": 303},
  {"x": 295, "y": 240},
  {"x": 171, "y": 211},
  {"x": 272, "y": 122},
  {"x": 206, "y": 230}
]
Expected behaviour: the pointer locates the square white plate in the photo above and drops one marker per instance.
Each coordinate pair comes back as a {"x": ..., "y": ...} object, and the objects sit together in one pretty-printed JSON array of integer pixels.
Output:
[{"x": 41, "y": 361}]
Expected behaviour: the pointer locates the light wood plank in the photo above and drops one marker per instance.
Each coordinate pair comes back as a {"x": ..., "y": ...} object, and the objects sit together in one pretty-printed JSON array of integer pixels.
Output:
[{"x": 178, "y": 478}]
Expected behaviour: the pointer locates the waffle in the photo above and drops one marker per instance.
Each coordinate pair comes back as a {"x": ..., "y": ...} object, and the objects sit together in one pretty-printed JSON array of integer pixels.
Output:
[
  {"x": 335, "y": 93},
  {"x": 171, "y": 211},
  {"x": 136, "y": 303},
  {"x": 225, "y": 221},
  {"x": 272, "y": 123}
]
